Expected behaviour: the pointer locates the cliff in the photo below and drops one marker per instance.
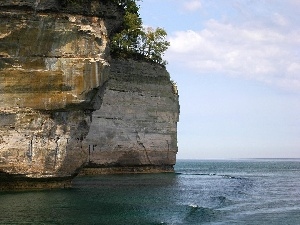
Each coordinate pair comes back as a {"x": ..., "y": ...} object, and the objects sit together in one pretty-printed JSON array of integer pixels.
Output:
[
  {"x": 135, "y": 129},
  {"x": 64, "y": 105}
]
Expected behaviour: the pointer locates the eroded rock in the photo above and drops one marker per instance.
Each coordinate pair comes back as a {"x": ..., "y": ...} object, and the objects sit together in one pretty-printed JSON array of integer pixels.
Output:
[
  {"x": 135, "y": 130},
  {"x": 53, "y": 59},
  {"x": 64, "y": 105}
]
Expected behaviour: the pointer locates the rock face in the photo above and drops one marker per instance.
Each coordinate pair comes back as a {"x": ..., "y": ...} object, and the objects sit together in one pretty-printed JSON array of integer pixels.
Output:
[
  {"x": 65, "y": 105},
  {"x": 52, "y": 63},
  {"x": 135, "y": 129}
]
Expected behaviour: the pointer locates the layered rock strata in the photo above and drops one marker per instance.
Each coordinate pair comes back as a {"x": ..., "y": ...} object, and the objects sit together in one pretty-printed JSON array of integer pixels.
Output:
[
  {"x": 135, "y": 129},
  {"x": 65, "y": 107},
  {"x": 53, "y": 59}
]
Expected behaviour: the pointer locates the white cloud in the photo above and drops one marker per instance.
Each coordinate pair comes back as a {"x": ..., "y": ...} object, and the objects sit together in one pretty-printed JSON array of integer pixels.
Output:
[
  {"x": 265, "y": 54},
  {"x": 295, "y": 2},
  {"x": 192, "y": 5},
  {"x": 280, "y": 20}
]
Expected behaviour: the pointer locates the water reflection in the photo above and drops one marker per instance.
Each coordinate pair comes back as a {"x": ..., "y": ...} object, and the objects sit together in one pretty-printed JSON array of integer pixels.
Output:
[{"x": 108, "y": 199}]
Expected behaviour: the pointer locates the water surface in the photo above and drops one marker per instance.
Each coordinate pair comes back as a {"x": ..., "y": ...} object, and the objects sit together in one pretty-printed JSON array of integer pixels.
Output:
[{"x": 200, "y": 192}]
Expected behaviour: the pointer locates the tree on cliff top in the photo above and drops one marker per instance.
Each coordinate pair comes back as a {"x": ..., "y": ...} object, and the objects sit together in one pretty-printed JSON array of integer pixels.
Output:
[
  {"x": 127, "y": 38},
  {"x": 152, "y": 44},
  {"x": 129, "y": 5},
  {"x": 134, "y": 40}
]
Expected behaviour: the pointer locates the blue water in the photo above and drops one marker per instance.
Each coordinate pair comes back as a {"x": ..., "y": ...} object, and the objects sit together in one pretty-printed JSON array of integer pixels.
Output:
[{"x": 200, "y": 192}]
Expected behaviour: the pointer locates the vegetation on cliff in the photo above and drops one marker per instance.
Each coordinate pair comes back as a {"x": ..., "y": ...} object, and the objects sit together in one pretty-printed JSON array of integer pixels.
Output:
[
  {"x": 133, "y": 40},
  {"x": 136, "y": 41}
]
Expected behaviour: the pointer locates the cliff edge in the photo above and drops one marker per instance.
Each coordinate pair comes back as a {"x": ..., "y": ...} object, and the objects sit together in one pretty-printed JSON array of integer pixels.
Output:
[{"x": 65, "y": 105}]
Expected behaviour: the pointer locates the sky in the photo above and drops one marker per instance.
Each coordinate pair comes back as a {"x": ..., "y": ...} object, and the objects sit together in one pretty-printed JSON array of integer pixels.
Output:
[{"x": 237, "y": 67}]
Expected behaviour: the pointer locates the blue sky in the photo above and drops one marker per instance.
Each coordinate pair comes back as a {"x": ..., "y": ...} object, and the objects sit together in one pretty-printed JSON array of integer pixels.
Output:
[{"x": 237, "y": 66}]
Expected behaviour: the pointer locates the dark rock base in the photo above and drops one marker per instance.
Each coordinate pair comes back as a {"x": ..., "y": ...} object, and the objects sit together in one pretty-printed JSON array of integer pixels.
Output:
[
  {"x": 19, "y": 183},
  {"x": 127, "y": 170},
  {"x": 34, "y": 185}
]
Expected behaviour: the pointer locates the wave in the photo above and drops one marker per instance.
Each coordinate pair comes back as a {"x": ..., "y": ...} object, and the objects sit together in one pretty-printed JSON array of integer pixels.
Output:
[
  {"x": 211, "y": 174},
  {"x": 221, "y": 201},
  {"x": 197, "y": 214}
]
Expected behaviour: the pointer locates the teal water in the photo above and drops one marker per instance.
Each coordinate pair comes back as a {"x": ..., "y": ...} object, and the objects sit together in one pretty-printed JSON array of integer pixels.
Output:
[{"x": 200, "y": 192}]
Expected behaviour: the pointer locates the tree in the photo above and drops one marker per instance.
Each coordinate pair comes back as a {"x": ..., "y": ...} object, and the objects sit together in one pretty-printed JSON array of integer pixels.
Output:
[
  {"x": 153, "y": 44},
  {"x": 128, "y": 5},
  {"x": 126, "y": 39},
  {"x": 134, "y": 40}
]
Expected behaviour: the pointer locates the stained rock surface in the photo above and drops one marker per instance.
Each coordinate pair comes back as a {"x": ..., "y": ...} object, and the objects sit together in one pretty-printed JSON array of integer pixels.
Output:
[
  {"x": 66, "y": 107},
  {"x": 53, "y": 59}
]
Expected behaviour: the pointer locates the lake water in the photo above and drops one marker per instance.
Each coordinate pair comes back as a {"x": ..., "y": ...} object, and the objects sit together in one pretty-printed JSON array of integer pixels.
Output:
[{"x": 200, "y": 192}]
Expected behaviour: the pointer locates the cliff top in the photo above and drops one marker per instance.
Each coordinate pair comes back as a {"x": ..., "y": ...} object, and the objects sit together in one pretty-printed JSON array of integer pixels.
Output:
[
  {"x": 109, "y": 10},
  {"x": 84, "y": 7}
]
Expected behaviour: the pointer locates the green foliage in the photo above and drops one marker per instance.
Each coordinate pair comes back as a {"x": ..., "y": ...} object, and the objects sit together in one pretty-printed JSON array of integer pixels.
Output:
[
  {"x": 136, "y": 41},
  {"x": 153, "y": 44},
  {"x": 129, "y": 5},
  {"x": 127, "y": 38}
]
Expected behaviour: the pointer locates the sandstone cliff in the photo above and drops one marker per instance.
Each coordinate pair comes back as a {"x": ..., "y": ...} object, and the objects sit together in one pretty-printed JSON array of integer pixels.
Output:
[
  {"x": 54, "y": 73},
  {"x": 135, "y": 129}
]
